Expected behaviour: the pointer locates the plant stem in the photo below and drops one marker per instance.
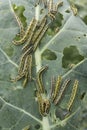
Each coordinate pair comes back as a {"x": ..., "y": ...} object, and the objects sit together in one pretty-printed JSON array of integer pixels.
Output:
[{"x": 45, "y": 124}]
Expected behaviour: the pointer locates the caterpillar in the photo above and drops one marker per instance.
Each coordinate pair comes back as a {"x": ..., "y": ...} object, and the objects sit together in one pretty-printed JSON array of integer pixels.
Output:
[
  {"x": 36, "y": 34},
  {"x": 22, "y": 60},
  {"x": 21, "y": 72},
  {"x": 52, "y": 8},
  {"x": 27, "y": 69},
  {"x": 30, "y": 67},
  {"x": 65, "y": 84},
  {"x": 39, "y": 79},
  {"x": 52, "y": 85},
  {"x": 39, "y": 98},
  {"x": 74, "y": 9},
  {"x": 41, "y": 26},
  {"x": 20, "y": 25},
  {"x": 40, "y": 37},
  {"x": 50, "y": 5},
  {"x": 57, "y": 88},
  {"x": 31, "y": 28},
  {"x": 44, "y": 104},
  {"x": 73, "y": 94}
]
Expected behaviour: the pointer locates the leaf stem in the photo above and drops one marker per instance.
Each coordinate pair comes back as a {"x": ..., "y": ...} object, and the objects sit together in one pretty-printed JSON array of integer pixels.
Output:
[
  {"x": 37, "y": 52},
  {"x": 45, "y": 124},
  {"x": 37, "y": 12}
]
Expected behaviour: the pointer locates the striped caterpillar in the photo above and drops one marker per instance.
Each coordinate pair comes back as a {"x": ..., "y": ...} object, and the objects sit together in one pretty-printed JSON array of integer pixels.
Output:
[
  {"x": 35, "y": 35},
  {"x": 53, "y": 8},
  {"x": 39, "y": 79},
  {"x": 31, "y": 28}
]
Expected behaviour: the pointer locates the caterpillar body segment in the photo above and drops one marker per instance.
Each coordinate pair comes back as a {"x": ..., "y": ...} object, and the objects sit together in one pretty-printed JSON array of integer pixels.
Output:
[{"x": 41, "y": 27}]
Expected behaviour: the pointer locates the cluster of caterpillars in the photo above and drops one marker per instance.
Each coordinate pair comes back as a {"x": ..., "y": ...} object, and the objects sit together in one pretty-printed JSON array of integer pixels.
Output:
[
  {"x": 32, "y": 37},
  {"x": 56, "y": 93}
]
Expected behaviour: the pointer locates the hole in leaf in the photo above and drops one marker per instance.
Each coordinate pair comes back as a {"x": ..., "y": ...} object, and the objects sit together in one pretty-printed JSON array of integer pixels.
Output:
[
  {"x": 67, "y": 11},
  {"x": 54, "y": 26},
  {"x": 48, "y": 55},
  {"x": 85, "y": 19},
  {"x": 82, "y": 95},
  {"x": 9, "y": 50},
  {"x": 84, "y": 35},
  {"x": 71, "y": 56},
  {"x": 37, "y": 126},
  {"x": 78, "y": 37},
  {"x": 19, "y": 10}
]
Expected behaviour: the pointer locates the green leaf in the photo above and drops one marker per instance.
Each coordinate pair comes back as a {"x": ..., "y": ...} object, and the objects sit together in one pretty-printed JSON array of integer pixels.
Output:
[
  {"x": 18, "y": 105},
  {"x": 82, "y": 8}
]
